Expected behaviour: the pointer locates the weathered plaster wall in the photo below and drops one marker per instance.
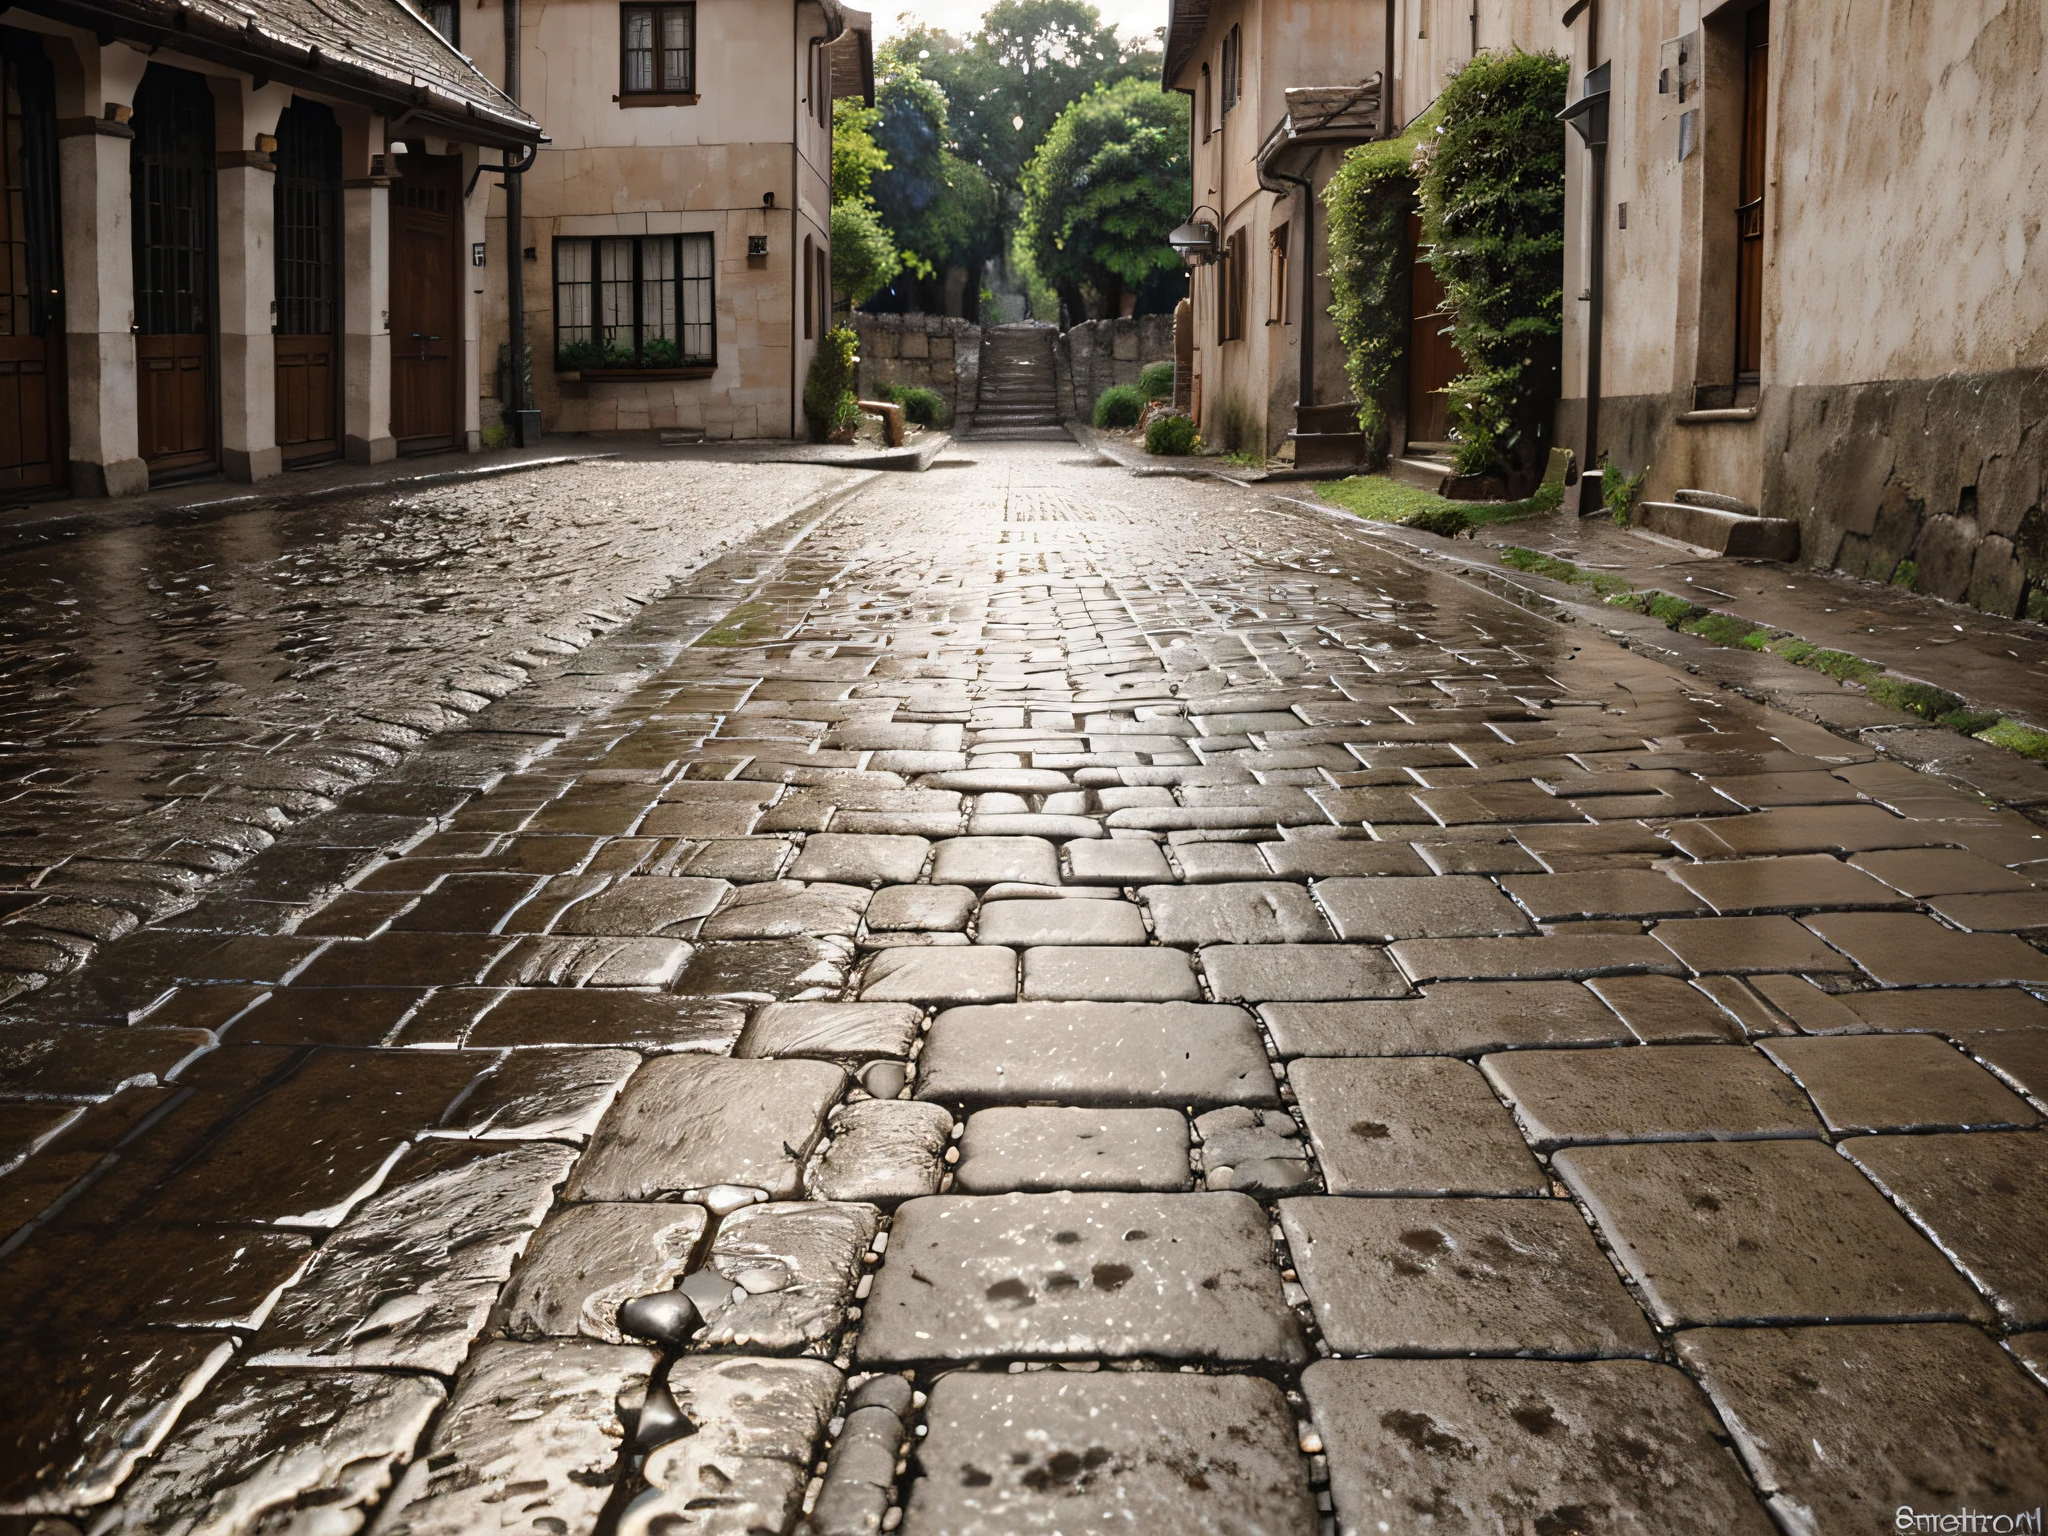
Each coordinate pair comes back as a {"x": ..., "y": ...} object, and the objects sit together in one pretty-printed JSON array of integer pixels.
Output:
[{"x": 1905, "y": 293}]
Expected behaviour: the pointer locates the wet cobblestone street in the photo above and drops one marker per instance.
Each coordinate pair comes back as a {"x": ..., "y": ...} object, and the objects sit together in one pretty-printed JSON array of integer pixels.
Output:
[{"x": 1020, "y": 999}]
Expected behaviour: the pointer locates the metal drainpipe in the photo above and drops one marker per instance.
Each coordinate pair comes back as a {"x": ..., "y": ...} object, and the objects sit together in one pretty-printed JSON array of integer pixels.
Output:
[
  {"x": 525, "y": 421},
  {"x": 1596, "y": 256}
]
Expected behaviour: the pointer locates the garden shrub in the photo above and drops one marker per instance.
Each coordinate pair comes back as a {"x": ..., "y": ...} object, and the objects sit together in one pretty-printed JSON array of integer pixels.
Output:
[
  {"x": 1155, "y": 381},
  {"x": 1492, "y": 199},
  {"x": 1120, "y": 405},
  {"x": 1369, "y": 202},
  {"x": 922, "y": 407},
  {"x": 829, "y": 402},
  {"x": 1171, "y": 436}
]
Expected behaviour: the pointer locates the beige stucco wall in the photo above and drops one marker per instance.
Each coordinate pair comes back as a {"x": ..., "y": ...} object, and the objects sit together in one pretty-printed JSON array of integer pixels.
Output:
[{"x": 705, "y": 168}]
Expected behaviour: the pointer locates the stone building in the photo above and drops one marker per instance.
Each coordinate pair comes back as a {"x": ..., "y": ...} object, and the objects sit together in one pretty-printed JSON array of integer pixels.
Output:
[
  {"x": 1281, "y": 89},
  {"x": 236, "y": 238},
  {"x": 676, "y": 226},
  {"x": 1822, "y": 287}
]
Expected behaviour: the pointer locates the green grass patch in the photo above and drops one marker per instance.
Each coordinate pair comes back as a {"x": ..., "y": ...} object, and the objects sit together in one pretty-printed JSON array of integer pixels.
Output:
[
  {"x": 2014, "y": 737},
  {"x": 1907, "y": 572},
  {"x": 1726, "y": 629},
  {"x": 1536, "y": 564},
  {"x": 748, "y": 624},
  {"x": 1969, "y": 722},
  {"x": 1922, "y": 699},
  {"x": 1379, "y": 499},
  {"x": 1245, "y": 460}
]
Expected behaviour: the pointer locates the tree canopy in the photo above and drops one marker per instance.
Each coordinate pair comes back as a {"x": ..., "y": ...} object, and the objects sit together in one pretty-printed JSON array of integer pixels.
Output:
[
  {"x": 1103, "y": 192},
  {"x": 941, "y": 209}
]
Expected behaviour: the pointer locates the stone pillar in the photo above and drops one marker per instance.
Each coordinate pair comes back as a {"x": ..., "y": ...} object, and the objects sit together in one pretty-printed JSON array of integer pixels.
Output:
[
  {"x": 366, "y": 291},
  {"x": 96, "y": 91},
  {"x": 480, "y": 364},
  {"x": 245, "y": 123}
]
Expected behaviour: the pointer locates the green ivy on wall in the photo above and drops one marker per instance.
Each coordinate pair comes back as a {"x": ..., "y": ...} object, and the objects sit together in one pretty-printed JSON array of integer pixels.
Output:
[
  {"x": 1369, "y": 200},
  {"x": 1492, "y": 197}
]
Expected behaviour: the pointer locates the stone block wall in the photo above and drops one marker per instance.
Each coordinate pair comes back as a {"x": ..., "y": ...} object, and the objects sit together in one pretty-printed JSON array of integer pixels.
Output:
[
  {"x": 931, "y": 351},
  {"x": 1098, "y": 353}
]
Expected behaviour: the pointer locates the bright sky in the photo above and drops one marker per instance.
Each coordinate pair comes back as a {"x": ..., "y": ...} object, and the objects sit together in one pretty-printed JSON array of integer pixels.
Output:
[{"x": 1132, "y": 18}]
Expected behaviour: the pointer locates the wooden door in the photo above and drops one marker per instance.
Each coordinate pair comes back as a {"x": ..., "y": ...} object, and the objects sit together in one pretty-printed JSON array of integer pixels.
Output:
[
  {"x": 308, "y": 247},
  {"x": 1433, "y": 358},
  {"x": 172, "y": 181},
  {"x": 1749, "y": 212},
  {"x": 425, "y": 308},
  {"x": 31, "y": 311}
]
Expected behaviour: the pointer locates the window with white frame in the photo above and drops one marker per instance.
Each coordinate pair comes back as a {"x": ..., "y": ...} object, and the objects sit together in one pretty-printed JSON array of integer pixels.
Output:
[{"x": 634, "y": 303}]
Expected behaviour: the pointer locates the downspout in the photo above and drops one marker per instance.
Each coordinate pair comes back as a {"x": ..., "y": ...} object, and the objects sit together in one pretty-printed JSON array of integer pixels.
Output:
[
  {"x": 1390, "y": 123},
  {"x": 522, "y": 417},
  {"x": 1589, "y": 116}
]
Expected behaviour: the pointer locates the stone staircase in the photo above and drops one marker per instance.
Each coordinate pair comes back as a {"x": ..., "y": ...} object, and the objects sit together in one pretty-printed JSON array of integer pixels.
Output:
[
  {"x": 1426, "y": 466},
  {"x": 1017, "y": 397},
  {"x": 1727, "y": 525}
]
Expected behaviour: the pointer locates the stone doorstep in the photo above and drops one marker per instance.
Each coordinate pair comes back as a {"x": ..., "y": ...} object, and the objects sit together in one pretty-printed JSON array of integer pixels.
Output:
[{"x": 1734, "y": 534}]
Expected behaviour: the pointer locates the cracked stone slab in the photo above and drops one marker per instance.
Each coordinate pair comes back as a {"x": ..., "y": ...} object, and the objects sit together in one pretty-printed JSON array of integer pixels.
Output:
[
  {"x": 1663, "y": 1010},
  {"x": 646, "y": 907},
  {"x": 1644, "y": 1093},
  {"x": 409, "y": 1281},
  {"x": 1899, "y": 1083},
  {"x": 73, "y": 1441},
  {"x": 759, "y": 1423},
  {"x": 793, "y": 1266},
  {"x": 261, "y": 1447},
  {"x": 2020, "y": 1056},
  {"x": 531, "y": 1426},
  {"x": 920, "y": 908},
  {"x": 954, "y": 974},
  {"x": 1139, "y": 1451},
  {"x": 92, "y": 1061},
  {"x": 1299, "y": 973},
  {"x": 1509, "y": 1277},
  {"x": 995, "y": 860},
  {"x": 1966, "y": 1192},
  {"x": 1451, "y": 1019},
  {"x": 586, "y": 1260},
  {"x": 1060, "y": 973},
  {"x": 1761, "y": 1232},
  {"x": 1021, "y": 924},
  {"x": 1411, "y": 1125},
  {"x": 688, "y": 1122},
  {"x": 1379, "y": 910},
  {"x": 1251, "y": 912},
  {"x": 1524, "y": 1445},
  {"x": 861, "y": 859},
  {"x": 1096, "y": 1054},
  {"x": 883, "y": 1151},
  {"x": 1904, "y": 949},
  {"x": 786, "y": 909},
  {"x": 831, "y": 1030},
  {"x": 1038, "y": 1149},
  {"x": 1561, "y": 955},
  {"x": 591, "y": 962},
  {"x": 1843, "y": 1428},
  {"x": 768, "y": 970},
  {"x": 637, "y": 1020},
  {"x": 541, "y": 1096},
  {"x": 1080, "y": 1276}
]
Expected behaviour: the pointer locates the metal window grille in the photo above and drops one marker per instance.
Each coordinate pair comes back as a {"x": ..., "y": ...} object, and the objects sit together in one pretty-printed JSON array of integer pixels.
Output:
[
  {"x": 660, "y": 49},
  {"x": 307, "y": 200},
  {"x": 635, "y": 303},
  {"x": 171, "y": 167}
]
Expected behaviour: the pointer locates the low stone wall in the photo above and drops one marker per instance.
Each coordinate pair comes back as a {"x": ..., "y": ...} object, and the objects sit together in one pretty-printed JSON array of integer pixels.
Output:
[
  {"x": 929, "y": 351},
  {"x": 1098, "y": 353}
]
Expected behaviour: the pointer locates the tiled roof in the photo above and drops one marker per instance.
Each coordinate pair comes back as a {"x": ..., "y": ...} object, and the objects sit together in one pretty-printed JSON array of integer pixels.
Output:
[{"x": 381, "y": 52}]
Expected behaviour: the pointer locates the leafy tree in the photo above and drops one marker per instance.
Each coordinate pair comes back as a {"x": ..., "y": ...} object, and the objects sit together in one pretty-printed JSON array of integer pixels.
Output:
[
  {"x": 856, "y": 158},
  {"x": 1008, "y": 82},
  {"x": 940, "y": 209},
  {"x": 1102, "y": 193},
  {"x": 864, "y": 259}
]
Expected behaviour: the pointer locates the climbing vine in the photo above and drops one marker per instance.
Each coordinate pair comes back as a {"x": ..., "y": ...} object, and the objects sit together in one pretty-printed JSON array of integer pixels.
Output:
[{"x": 1493, "y": 217}]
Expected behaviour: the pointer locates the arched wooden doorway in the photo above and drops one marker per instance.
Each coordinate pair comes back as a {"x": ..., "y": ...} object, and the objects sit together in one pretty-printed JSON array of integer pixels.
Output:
[
  {"x": 426, "y": 306},
  {"x": 32, "y": 417},
  {"x": 171, "y": 170},
  {"x": 308, "y": 247},
  {"x": 1433, "y": 358}
]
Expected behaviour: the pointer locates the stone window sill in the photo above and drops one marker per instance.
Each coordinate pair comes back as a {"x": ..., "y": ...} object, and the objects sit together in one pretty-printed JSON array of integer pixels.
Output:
[
  {"x": 658, "y": 99},
  {"x": 1712, "y": 418},
  {"x": 628, "y": 375}
]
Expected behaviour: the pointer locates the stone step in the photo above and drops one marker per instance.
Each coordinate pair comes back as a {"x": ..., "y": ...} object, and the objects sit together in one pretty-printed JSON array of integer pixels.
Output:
[
  {"x": 1717, "y": 502},
  {"x": 1424, "y": 474},
  {"x": 1328, "y": 450},
  {"x": 1018, "y": 434},
  {"x": 1726, "y": 533}
]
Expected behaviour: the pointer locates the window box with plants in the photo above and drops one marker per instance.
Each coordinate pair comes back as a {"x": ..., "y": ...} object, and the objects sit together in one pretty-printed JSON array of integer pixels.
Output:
[{"x": 635, "y": 308}]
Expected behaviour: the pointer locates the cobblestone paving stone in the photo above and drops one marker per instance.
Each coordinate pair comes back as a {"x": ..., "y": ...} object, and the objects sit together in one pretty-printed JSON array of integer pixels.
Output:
[{"x": 1051, "y": 1002}]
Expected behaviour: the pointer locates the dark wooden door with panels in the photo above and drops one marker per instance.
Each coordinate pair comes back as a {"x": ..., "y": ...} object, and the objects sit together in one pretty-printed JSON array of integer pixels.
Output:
[
  {"x": 308, "y": 247},
  {"x": 31, "y": 297},
  {"x": 171, "y": 168},
  {"x": 426, "y": 308}
]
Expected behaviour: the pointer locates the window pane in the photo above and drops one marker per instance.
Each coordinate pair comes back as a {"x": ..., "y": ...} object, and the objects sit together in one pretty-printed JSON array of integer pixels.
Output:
[
  {"x": 615, "y": 302},
  {"x": 574, "y": 340},
  {"x": 441, "y": 16},
  {"x": 639, "y": 25},
  {"x": 699, "y": 318},
  {"x": 678, "y": 43}
]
